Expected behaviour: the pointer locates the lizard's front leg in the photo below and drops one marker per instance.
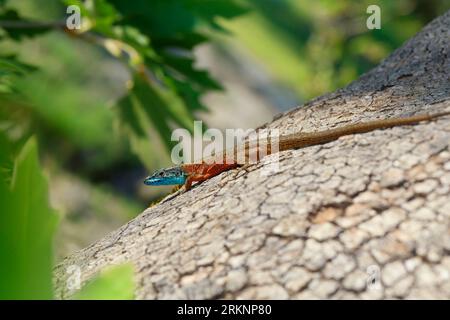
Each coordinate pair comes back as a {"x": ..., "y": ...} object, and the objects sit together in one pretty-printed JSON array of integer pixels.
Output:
[
  {"x": 188, "y": 183},
  {"x": 196, "y": 177}
]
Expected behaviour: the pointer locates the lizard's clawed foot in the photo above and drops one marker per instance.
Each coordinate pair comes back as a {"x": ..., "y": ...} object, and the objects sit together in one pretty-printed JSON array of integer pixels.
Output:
[{"x": 176, "y": 188}]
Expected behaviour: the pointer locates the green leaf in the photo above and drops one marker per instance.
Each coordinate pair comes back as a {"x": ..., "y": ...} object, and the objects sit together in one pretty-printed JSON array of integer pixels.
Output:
[
  {"x": 165, "y": 18},
  {"x": 129, "y": 115},
  {"x": 114, "y": 283},
  {"x": 10, "y": 64},
  {"x": 6, "y": 158},
  {"x": 190, "y": 96},
  {"x": 161, "y": 107},
  {"x": 186, "y": 40},
  {"x": 209, "y": 9},
  {"x": 158, "y": 18},
  {"x": 10, "y": 68},
  {"x": 185, "y": 66},
  {"x": 27, "y": 225}
]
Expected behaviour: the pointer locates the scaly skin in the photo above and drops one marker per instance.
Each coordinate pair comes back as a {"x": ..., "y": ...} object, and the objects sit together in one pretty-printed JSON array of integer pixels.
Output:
[
  {"x": 188, "y": 173},
  {"x": 203, "y": 171}
]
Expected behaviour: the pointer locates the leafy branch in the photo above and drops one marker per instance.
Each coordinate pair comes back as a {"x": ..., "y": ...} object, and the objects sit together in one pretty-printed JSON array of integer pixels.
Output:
[{"x": 155, "y": 41}]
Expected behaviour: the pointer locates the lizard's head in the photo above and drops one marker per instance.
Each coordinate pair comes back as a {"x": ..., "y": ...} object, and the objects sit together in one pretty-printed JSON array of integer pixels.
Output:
[{"x": 169, "y": 176}]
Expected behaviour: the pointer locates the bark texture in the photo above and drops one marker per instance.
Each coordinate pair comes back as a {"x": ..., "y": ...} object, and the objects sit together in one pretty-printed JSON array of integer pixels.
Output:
[{"x": 366, "y": 216}]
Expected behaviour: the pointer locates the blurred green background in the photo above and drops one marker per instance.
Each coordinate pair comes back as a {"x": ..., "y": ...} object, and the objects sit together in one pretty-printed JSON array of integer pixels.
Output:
[{"x": 100, "y": 103}]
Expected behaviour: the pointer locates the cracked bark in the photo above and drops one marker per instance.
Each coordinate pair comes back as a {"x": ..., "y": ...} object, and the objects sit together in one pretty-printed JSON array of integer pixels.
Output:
[{"x": 374, "y": 205}]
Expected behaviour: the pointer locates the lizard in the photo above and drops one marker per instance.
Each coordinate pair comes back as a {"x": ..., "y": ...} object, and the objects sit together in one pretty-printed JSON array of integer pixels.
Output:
[{"x": 186, "y": 174}]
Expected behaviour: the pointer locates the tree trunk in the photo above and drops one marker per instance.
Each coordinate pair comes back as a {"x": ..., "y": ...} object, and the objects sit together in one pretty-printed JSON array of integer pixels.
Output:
[{"x": 366, "y": 216}]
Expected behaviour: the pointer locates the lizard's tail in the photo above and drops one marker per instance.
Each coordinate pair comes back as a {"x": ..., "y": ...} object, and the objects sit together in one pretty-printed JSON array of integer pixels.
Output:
[
  {"x": 301, "y": 140},
  {"x": 255, "y": 151},
  {"x": 439, "y": 114}
]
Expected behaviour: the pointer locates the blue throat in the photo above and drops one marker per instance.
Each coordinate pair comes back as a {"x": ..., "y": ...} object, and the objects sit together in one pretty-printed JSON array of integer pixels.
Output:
[{"x": 164, "y": 177}]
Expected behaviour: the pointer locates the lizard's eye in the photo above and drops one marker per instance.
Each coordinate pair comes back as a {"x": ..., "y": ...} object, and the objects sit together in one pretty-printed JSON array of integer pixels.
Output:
[{"x": 161, "y": 174}]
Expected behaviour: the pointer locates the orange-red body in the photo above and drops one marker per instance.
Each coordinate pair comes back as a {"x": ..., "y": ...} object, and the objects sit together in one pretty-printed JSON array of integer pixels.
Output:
[{"x": 203, "y": 171}]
